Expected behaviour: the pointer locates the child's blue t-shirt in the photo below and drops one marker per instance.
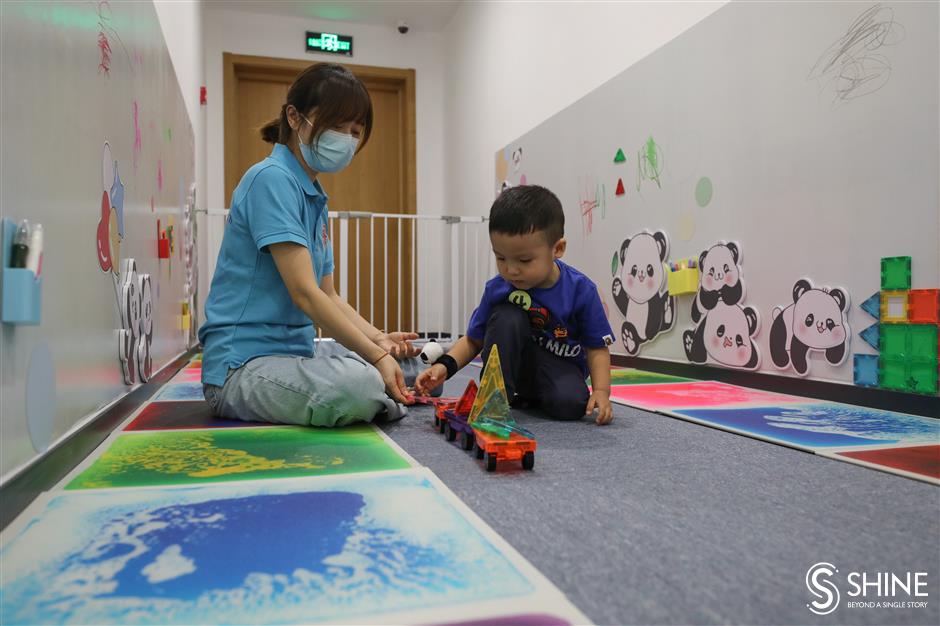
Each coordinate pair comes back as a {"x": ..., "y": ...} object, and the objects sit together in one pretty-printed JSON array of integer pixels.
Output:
[
  {"x": 249, "y": 312},
  {"x": 565, "y": 318}
]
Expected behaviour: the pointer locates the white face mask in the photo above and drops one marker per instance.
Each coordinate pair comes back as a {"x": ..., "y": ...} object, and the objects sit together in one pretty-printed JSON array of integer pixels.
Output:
[{"x": 333, "y": 150}]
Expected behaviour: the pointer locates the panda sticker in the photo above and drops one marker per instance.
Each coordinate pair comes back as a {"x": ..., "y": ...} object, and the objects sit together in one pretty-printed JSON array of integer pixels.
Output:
[
  {"x": 720, "y": 278},
  {"x": 640, "y": 290},
  {"x": 816, "y": 320},
  {"x": 725, "y": 337},
  {"x": 516, "y": 159}
]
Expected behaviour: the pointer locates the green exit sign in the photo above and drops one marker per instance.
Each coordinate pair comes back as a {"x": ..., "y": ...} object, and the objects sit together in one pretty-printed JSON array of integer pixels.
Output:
[{"x": 328, "y": 42}]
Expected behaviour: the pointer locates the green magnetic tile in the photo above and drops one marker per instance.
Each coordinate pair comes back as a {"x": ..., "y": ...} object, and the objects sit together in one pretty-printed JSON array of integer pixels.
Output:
[
  {"x": 891, "y": 374},
  {"x": 922, "y": 376},
  {"x": 893, "y": 339},
  {"x": 896, "y": 272},
  {"x": 923, "y": 341}
]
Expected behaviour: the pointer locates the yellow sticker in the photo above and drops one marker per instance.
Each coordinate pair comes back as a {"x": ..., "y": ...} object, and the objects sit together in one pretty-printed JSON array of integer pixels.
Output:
[{"x": 521, "y": 298}]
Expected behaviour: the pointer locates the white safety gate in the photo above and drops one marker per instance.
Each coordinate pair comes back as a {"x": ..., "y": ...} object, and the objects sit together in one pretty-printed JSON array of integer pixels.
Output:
[
  {"x": 421, "y": 273},
  {"x": 412, "y": 272}
]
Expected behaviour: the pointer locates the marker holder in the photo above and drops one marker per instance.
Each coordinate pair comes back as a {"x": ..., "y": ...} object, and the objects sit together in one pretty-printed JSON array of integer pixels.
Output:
[
  {"x": 682, "y": 281},
  {"x": 22, "y": 291}
]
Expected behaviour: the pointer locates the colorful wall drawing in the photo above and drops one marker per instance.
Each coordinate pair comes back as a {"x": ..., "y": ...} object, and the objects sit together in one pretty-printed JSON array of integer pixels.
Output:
[
  {"x": 114, "y": 58},
  {"x": 700, "y": 173}
]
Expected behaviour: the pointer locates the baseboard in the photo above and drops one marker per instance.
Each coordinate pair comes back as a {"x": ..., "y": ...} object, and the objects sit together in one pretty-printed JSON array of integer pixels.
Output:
[
  {"x": 927, "y": 406},
  {"x": 58, "y": 461}
]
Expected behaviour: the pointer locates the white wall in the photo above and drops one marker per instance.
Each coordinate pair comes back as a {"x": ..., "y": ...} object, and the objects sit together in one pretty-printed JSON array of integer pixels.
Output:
[
  {"x": 512, "y": 65},
  {"x": 280, "y": 36},
  {"x": 496, "y": 71},
  {"x": 182, "y": 25},
  {"x": 60, "y": 373},
  {"x": 181, "y": 21},
  {"x": 240, "y": 32}
]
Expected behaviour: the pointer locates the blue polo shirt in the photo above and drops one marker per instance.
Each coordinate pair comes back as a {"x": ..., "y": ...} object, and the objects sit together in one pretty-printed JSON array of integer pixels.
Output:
[
  {"x": 249, "y": 312},
  {"x": 564, "y": 318}
]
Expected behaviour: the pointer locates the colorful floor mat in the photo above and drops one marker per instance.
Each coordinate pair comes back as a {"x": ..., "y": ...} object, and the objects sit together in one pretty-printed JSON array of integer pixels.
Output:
[
  {"x": 237, "y": 454},
  {"x": 392, "y": 547},
  {"x": 179, "y": 415},
  {"x": 186, "y": 391},
  {"x": 691, "y": 395},
  {"x": 922, "y": 462},
  {"x": 817, "y": 425},
  {"x": 188, "y": 375},
  {"x": 630, "y": 376}
]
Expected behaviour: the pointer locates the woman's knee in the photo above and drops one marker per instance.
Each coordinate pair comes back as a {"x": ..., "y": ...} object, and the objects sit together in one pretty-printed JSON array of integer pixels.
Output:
[{"x": 356, "y": 395}]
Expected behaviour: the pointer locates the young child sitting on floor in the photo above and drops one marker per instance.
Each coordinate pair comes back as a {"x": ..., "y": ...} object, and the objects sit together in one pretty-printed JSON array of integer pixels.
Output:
[{"x": 545, "y": 316}]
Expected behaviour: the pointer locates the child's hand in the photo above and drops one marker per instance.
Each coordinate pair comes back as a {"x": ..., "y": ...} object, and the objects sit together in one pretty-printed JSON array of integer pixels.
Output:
[
  {"x": 430, "y": 378},
  {"x": 600, "y": 399},
  {"x": 398, "y": 344},
  {"x": 394, "y": 380}
]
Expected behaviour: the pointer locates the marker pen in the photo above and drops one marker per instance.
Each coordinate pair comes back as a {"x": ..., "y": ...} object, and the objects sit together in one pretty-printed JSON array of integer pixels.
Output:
[
  {"x": 20, "y": 245},
  {"x": 34, "y": 255}
]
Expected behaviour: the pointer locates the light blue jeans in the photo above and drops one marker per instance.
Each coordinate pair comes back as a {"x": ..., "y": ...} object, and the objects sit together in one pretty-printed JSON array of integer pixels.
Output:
[{"x": 336, "y": 387}]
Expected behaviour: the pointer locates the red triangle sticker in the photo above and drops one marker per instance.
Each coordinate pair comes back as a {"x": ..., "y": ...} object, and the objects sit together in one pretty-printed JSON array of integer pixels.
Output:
[{"x": 620, "y": 190}]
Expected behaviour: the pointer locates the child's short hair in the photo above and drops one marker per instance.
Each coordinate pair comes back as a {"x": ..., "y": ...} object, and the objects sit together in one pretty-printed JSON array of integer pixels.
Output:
[{"x": 527, "y": 209}]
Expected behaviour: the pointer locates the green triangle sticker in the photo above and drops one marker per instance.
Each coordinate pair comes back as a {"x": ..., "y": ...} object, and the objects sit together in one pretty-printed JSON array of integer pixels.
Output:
[{"x": 620, "y": 158}]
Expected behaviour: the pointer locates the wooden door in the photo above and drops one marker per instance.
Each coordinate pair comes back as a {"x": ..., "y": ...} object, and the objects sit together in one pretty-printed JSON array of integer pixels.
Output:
[{"x": 381, "y": 178}]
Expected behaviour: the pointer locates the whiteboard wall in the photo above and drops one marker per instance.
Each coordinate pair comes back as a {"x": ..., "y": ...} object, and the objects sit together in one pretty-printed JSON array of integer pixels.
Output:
[
  {"x": 817, "y": 125},
  {"x": 77, "y": 75}
]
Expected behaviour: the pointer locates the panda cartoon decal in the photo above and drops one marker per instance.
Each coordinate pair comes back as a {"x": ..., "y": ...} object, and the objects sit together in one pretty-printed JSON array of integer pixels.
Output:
[
  {"x": 640, "y": 290},
  {"x": 720, "y": 278},
  {"x": 816, "y": 320},
  {"x": 725, "y": 336}
]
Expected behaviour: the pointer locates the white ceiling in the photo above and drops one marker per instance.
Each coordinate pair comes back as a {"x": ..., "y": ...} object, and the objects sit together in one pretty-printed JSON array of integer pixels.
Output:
[{"x": 421, "y": 15}]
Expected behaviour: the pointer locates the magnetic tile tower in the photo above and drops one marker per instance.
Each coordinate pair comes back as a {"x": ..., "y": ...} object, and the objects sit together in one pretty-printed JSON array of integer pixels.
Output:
[{"x": 906, "y": 333}]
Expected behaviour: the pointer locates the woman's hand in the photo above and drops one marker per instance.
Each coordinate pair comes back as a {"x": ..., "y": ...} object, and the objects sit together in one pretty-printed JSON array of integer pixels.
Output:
[
  {"x": 394, "y": 379},
  {"x": 398, "y": 344}
]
